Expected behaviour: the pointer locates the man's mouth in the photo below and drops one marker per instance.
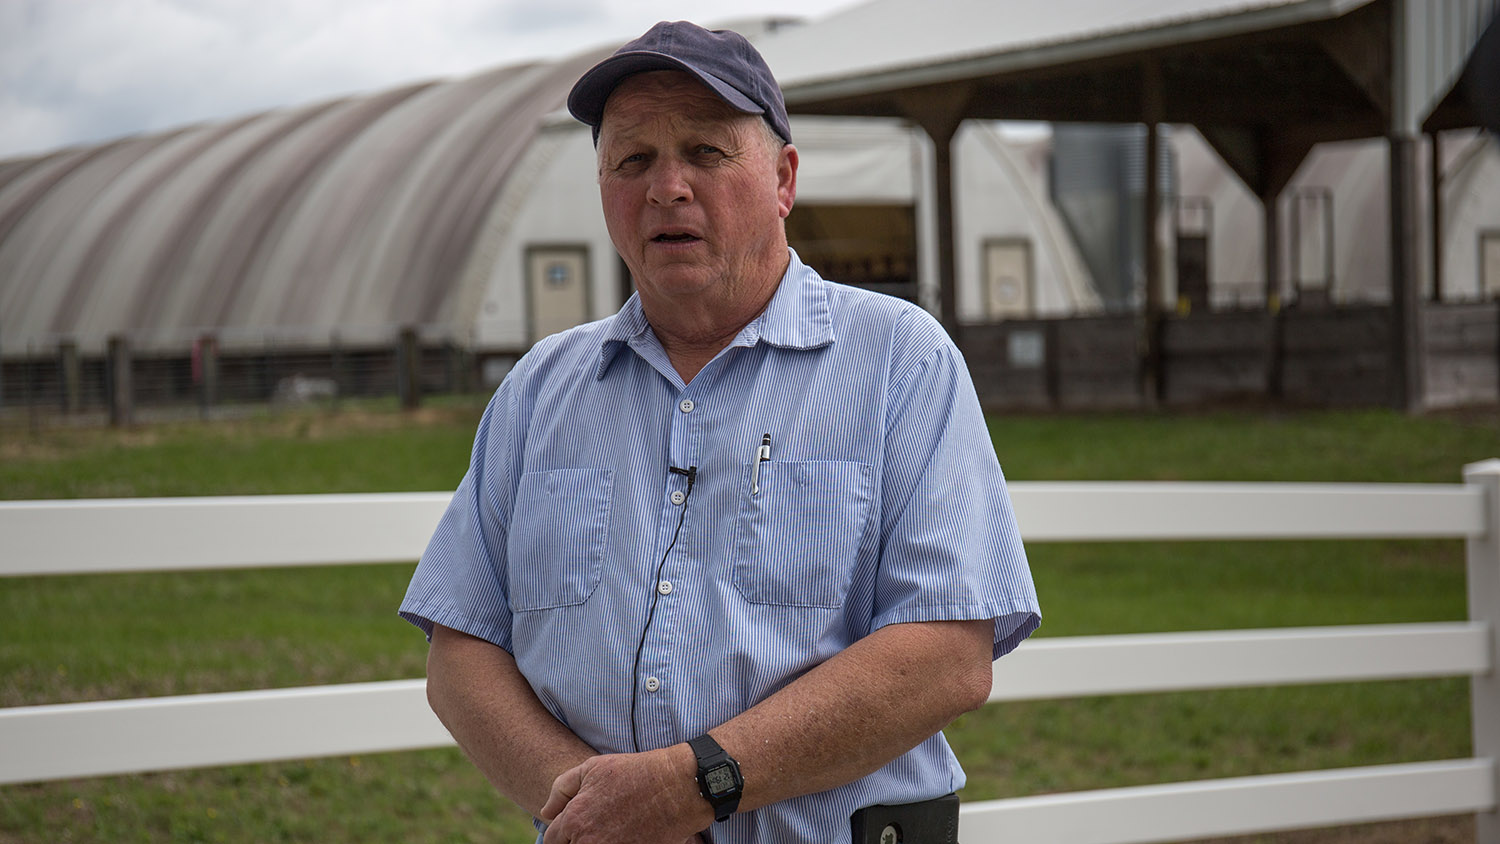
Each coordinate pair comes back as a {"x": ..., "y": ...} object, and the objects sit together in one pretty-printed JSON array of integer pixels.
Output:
[{"x": 674, "y": 237}]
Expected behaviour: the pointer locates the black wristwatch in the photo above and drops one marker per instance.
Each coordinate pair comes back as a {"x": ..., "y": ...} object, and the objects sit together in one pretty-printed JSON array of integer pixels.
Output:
[{"x": 719, "y": 779}]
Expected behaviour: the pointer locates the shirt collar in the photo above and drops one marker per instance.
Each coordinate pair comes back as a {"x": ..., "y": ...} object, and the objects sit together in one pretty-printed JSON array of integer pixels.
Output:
[{"x": 797, "y": 317}]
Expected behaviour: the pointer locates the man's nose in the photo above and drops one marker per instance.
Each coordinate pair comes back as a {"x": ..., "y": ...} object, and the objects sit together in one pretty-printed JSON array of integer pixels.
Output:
[{"x": 669, "y": 184}]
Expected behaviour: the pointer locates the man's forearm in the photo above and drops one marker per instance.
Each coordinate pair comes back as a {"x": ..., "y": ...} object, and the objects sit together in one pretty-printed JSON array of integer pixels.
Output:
[
  {"x": 480, "y": 696},
  {"x": 838, "y": 722},
  {"x": 859, "y": 710}
]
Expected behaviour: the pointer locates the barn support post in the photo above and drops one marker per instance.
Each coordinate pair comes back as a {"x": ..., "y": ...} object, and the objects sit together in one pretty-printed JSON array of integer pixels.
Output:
[
  {"x": 1405, "y": 239},
  {"x": 1435, "y": 182},
  {"x": 940, "y": 112},
  {"x": 1152, "y": 382},
  {"x": 1406, "y": 281}
]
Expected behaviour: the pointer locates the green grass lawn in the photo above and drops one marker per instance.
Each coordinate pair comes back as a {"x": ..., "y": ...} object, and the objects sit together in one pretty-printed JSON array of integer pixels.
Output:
[{"x": 109, "y": 636}]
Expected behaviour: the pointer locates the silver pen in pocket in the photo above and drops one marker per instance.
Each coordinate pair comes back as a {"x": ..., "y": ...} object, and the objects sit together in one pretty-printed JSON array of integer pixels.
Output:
[{"x": 762, "y": 454}]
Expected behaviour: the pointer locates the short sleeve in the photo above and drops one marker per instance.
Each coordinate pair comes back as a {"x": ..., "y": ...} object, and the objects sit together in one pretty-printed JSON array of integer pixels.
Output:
[
  {"x": 950, "y": 547},
  {"x": 460, "y": 580}
]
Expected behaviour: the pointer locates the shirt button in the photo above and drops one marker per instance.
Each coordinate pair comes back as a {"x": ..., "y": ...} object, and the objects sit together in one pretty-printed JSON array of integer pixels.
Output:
[
  {"x": 665, "y": 587},
  {"x": 686, "y": 406},
  {"x": 652, "y": 684},
  {"x": 678, "y": 497}
]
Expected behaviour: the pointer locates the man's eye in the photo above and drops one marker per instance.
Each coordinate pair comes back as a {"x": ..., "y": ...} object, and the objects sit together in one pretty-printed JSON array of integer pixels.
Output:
[{"x": 707, "y": 149}]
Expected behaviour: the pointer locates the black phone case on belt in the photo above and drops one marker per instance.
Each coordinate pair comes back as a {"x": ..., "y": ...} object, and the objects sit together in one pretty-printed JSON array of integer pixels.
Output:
[{"x": 927, "y": 822}]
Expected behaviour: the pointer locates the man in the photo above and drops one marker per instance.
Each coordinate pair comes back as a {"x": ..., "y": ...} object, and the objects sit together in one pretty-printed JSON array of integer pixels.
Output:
[{"x": 740, "y": 551}]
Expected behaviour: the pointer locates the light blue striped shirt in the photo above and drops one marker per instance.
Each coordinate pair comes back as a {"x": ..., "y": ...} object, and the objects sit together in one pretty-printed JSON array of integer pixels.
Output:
[{"x": 882, "y": 502}]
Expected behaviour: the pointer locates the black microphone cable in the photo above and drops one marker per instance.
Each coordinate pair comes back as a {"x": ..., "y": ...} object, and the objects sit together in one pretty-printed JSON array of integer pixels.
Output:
[{"x": 692, "y": 476}]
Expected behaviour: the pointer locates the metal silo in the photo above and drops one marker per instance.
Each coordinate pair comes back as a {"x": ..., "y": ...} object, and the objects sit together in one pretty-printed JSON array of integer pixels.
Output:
[{"x": 1098, "y": 179}]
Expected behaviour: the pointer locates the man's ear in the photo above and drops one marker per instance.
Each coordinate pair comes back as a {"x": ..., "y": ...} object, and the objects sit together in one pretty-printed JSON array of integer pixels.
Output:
[{"x": 786, "y": 179}]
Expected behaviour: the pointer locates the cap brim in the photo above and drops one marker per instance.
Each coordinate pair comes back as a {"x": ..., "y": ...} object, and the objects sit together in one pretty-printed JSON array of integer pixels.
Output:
[{"x": 586, "y": 100}]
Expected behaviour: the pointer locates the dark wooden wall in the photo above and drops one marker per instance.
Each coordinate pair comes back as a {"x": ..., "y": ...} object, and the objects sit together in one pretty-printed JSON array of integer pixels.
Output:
[{"x": 1317, "y": 357}]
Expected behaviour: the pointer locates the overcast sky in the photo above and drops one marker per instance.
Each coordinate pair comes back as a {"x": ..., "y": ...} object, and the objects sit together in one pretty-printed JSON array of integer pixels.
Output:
[{"x": 80, "y": 71}]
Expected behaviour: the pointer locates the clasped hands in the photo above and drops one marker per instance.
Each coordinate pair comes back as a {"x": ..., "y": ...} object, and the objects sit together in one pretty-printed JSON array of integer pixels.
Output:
[{"x": 627, "y": 798}]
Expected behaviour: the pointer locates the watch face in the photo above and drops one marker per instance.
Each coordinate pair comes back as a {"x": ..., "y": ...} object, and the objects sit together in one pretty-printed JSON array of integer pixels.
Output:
[{"x": 719, "y": 779}]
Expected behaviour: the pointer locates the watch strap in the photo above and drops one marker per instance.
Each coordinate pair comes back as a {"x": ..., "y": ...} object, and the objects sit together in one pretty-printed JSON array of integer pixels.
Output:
[
  {"x": 711, "y": 756},
  {"x": 706, "y": 749}
]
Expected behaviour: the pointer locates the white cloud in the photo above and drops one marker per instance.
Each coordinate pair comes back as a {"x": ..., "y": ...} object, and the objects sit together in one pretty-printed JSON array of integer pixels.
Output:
[
  {"x": 30, "y": 126},
  {"x": 530, "y": 17},
  {"x": 81, "y": 71}
]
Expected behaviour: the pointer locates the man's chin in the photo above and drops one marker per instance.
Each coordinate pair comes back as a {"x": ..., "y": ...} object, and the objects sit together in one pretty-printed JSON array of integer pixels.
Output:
[{"x": 675, "y": 281}]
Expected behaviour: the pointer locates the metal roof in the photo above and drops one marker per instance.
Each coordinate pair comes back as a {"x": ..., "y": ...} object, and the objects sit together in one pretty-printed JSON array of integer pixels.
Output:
[
  {"x": 898, "y": 43},
  {"x": 1347, "y": 68}
]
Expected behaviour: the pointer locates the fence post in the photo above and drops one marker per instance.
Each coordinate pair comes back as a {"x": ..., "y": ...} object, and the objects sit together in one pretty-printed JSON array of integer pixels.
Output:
[
  {"x": 409, "y": 369},
  {"x": 206, "y": 371},
  {"x": 69, "y": 374},
  {"x": 117, "y": 378},
  {"x": 30, "y": 378},
  {"x": 457, "y": 368},
  {"x": 336, "y": 363},
  {"x": 267, "y": 376},
  {"x": 117, "y": 375},
  {"x": 1483, "y": 553}
]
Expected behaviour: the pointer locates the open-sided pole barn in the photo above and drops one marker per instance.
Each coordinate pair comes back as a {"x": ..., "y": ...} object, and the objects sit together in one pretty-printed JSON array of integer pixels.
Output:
[{"x": 1263, "y": 81}]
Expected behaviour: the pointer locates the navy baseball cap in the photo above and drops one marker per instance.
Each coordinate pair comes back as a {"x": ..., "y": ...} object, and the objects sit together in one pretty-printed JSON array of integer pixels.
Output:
[{"x": 721, "y": 59}]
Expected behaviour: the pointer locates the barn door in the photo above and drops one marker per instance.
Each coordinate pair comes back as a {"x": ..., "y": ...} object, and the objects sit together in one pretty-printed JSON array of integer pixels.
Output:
[{"x": 556, "y": 288}]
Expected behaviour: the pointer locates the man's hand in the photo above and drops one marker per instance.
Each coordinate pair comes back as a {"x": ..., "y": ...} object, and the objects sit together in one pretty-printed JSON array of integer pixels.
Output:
[{"x": 628, "y": 798}]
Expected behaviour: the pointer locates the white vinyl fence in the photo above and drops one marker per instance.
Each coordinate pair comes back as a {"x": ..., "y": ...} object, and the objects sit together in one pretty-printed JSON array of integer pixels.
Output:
[{"x": 114, "y": 737}]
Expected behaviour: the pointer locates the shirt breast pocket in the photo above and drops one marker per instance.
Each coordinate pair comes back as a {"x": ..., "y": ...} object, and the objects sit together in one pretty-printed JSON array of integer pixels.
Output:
[
  {"x": 558, "y": 535},
  {"x": 796, "y": 540}
]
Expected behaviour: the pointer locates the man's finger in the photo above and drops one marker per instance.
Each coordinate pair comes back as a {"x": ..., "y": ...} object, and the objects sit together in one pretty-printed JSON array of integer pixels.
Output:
[{"x": 564, "y": 788}]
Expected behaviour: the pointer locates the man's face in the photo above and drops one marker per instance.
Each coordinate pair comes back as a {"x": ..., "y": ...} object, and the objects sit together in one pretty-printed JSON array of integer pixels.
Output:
[{"x": 693, "y": 191}]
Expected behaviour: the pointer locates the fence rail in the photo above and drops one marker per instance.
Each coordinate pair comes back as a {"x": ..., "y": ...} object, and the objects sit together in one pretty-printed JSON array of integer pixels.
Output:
[
  {"x": 145, "y": 534},
  {"x": 63, "y": 741},
  {"x": 220, "y": 374}
]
